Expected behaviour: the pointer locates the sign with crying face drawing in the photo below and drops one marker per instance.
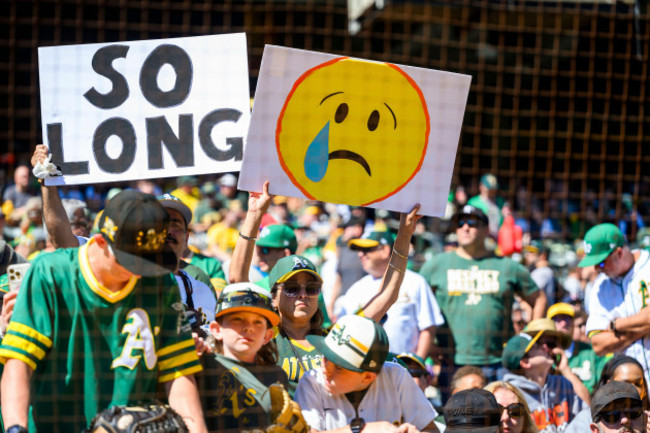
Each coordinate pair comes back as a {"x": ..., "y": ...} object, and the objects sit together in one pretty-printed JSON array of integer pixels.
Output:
[{"x": 353, "y": 131}]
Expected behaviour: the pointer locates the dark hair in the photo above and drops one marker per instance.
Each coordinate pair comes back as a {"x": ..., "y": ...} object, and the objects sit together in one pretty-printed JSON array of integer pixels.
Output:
[
  {"x": 267, "y": 355},
  {"x": 466, "y": 371},
  {"x": 608, "y": 373}
]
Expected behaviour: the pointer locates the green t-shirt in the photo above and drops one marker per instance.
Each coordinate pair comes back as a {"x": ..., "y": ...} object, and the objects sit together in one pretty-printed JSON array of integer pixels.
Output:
[
  {"x": 586, "y": 364},
  {"x": 291, "y": 364},
  {"x": 91, "y": 348},
  {"x": 212, "y": 267},
  {"x": 229, "y": 397},
  {"x": 476, "y": 299}
]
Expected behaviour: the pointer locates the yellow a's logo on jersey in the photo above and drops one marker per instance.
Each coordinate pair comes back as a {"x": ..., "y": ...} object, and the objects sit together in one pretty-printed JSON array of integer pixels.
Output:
[{"x": 139, "y": 342}]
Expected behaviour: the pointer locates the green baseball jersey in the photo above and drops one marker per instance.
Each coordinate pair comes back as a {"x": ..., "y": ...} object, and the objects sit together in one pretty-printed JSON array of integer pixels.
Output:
[
  {"x": 476, "y": 299},
  {"x": 4, "y": 283},
  {"x": 287, "y": 351},
  {"x": 230, "y": 397},
  {"x": 586, "y": 364},
  {"x": 91, "y": 348},
  {"x": 212, "y": 267}
]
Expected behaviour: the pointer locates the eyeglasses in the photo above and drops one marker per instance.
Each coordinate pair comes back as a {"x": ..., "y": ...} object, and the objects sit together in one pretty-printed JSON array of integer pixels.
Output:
[
  {"x": 515, "y": 410},
  {"x": 473, "y": 223},
  {"x": 614, "y": 416},
  {"x": 292, "y": 289}
]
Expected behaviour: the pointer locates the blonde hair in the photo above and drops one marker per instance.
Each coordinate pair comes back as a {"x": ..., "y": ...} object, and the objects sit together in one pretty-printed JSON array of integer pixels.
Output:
[{"x": 529, "y": 425}]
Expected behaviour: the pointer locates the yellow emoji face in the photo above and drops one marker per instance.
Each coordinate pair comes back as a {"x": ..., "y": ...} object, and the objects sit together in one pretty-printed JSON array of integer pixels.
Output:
[{"x": 352, "y": 131}]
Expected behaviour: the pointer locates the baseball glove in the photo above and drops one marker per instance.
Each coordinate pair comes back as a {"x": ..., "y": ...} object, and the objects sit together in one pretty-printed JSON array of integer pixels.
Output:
[
  {"x": 285, "y": 413},
  {"x": 150, "y": 418}
]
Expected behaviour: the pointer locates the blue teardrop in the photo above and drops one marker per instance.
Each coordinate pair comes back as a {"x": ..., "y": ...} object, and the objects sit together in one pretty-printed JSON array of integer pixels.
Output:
[{"x": 316, "y": 158}]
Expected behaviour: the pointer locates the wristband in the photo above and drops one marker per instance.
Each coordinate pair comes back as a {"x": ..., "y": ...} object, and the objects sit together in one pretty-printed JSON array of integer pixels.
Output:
[
  {"x": 248, "y": 238},
  {"x": 399, "y": 255},
  {"x": 396, "y": 268}
]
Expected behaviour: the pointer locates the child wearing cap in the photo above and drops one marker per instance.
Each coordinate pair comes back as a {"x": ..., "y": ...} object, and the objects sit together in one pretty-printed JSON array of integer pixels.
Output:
[
  {"x": 236, "y": 377},
  {"x": 552, "y": 399},
  {"x": 355, "y": 389}
]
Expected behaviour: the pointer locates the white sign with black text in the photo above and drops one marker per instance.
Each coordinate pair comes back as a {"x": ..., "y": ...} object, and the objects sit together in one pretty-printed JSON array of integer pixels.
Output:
[{"x": 146, "y": 109}]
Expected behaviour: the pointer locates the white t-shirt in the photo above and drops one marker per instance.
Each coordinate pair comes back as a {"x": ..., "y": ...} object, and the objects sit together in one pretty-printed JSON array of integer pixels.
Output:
[
  {"x": 416, "y": 309},
  {"x": 610, "y": 299},
  {"x": 392, "y": 397}
]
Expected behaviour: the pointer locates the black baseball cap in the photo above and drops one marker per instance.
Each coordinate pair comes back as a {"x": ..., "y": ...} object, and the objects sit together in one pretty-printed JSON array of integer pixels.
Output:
[
  {"x": 472, "y": 410},
  {"x": 469, "y": 211},
  {"x": 612, "y": 391},
  {"x": 135, "y": 226}
]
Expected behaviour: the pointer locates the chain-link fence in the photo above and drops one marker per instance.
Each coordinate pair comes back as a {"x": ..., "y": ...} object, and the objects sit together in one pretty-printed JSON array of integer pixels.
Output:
[{"x": 557, "y": 108}]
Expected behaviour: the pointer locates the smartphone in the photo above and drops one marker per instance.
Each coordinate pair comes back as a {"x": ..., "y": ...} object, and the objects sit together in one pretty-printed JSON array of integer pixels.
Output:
[{"x": 16, "y": 273}]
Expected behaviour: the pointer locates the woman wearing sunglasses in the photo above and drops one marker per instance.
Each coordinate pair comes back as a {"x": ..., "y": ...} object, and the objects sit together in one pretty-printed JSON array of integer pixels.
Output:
[
  {"x": 295, "y": 285},
  {"x": 515, "y": 414}
]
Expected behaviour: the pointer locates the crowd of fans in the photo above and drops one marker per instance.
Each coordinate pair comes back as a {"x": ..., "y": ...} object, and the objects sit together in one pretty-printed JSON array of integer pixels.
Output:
[{"x": 498, "y": 331}]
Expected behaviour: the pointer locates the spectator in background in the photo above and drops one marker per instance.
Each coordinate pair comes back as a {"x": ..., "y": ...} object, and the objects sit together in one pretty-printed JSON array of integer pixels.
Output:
[
  {"x": 536, "y": 256},
  {"x": 618, "y": 320},
  {"x": 188, "y": 191},
  {"x": 488, "y": 201},
  {"x": 476, "y": 291},
  {"x": 582, "y": 359},
  {"x": 617, "y": 407},
  {"x": 349, "y": 268},
  {"x": 228, "y": 193},
  {"x": 515, "y": 414},
  {"x": 413, "y": 318},
  {"x": 15, "y": 196},
  {"x": 552, "y": 399},
  {"x": 468, "y": 377},
  {"x": 472, "y": 410}
]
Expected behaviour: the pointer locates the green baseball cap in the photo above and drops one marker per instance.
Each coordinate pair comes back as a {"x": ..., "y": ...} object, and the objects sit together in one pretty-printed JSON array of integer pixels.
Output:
[
  {"x": 355, "y": 343},
  {"x": 289, "y": 266},
  {"x": 599, "y": 243},
  {"x": 246, "y": 297},
  {"x": 277, "y": 236},
  {"x": 371, "y": 241},
  {"x": 516, "y": 348}
]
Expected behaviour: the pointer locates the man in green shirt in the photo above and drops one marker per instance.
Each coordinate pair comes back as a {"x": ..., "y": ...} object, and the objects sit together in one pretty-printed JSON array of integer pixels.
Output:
[
  {"x": 98, "y": 326},
  {"x": 476, "y": 290}
]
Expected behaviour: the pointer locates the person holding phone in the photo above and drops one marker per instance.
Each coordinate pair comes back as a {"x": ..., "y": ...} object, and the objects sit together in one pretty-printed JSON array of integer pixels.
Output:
[{"x": 552, "y": 399}]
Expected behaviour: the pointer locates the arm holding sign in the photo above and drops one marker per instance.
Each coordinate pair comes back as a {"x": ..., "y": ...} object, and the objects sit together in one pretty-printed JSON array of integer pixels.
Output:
[
  {"x": 242, "y": 255},
  {"x": 56, "y": 220},
  {"x": 394, "y": 275}
]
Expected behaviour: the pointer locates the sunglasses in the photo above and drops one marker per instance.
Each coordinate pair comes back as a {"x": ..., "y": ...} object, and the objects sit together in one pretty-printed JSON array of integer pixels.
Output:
[
  {"x": 473, "y": 223},
  {"x": 416, "y": 372},
  {"x": 601, "y": 265},
  {"x": 515, "y": 410},
  {"x": 549, "y": 343},
  {"x": 368, "y": 250},
  {"x": 614, "y": 416},
  {"x": 267, "y": 250},
  {"x": 292, "y": 289}
]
